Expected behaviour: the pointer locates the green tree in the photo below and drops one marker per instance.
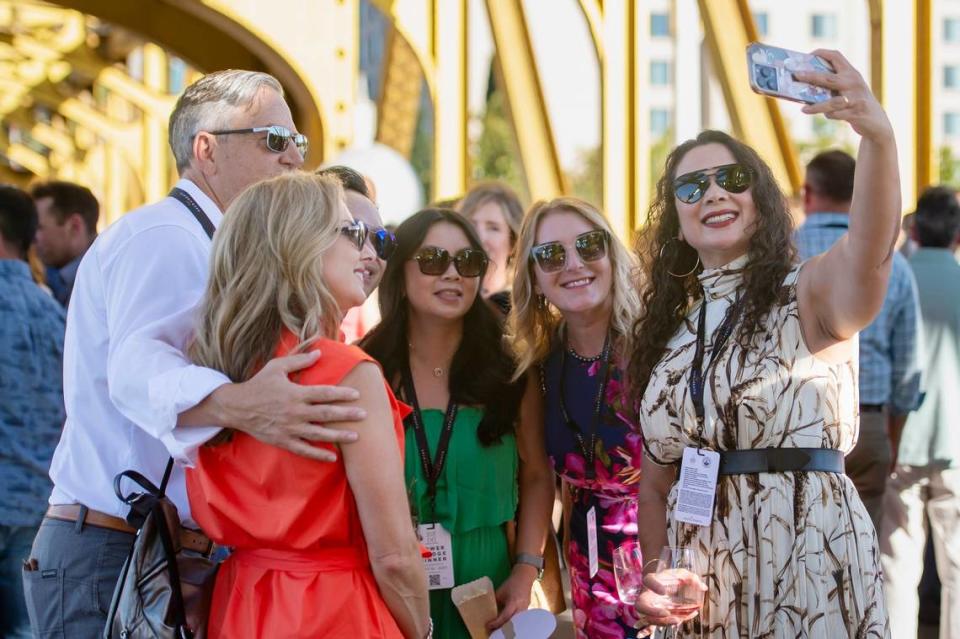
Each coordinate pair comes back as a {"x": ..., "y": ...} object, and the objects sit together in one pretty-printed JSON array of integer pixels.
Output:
[
  {"x": 824, "y": 138},
  {"x": 949, "y": 166},
  {"x": 586, "y": 180},
  {"x": 495, "y": 153}
]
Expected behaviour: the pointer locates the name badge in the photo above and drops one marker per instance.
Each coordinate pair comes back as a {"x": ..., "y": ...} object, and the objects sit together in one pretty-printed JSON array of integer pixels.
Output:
[
  {"x": 592, "y": 541},
  {"x": 697, "y": 487},
  {"x": 439, "y": 564}
]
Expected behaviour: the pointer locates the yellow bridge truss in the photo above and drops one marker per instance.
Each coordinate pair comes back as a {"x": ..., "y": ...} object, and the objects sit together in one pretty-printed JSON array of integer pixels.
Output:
[{"x": 73, "y": 106}]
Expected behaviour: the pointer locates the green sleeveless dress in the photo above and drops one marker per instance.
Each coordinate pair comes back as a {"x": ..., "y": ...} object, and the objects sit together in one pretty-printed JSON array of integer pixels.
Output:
[{"x": 476, "y": 496}]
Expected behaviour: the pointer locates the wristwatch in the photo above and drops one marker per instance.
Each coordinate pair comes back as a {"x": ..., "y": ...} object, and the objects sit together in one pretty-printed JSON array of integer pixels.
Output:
[{"x": 531, "y": 560}]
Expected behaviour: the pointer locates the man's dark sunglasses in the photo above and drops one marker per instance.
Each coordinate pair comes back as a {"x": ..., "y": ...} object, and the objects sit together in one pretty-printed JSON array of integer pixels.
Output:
[
  {"x": 552, "y": 256},
  {"x": 278, "y": 137},
  {"x": 732, "y": 178},
  {"x": 356, "y": 232},
  {"x": 434, "y": 260},
  {"x": 384, "y": 242}
]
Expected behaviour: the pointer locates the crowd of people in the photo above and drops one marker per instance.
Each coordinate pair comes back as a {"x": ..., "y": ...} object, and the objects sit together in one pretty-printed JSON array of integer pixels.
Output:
[{"x": 811, "y": 370}]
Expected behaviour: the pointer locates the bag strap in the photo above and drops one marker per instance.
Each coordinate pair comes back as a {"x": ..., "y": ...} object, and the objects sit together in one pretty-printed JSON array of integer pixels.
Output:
[{"x": 176, "y": 595}]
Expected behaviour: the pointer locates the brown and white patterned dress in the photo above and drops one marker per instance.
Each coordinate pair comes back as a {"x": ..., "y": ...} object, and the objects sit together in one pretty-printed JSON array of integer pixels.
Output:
[{"x": 788, "y": 554}]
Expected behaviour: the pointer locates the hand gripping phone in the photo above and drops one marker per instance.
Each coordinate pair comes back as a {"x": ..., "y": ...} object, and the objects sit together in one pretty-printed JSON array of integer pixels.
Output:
[{"x": 771, "y": 72}]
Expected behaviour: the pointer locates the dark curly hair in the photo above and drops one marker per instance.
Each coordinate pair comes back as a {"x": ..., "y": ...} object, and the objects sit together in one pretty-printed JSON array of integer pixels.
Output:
[
  {"x": 666, "y": 299},
  {"x": 482, "y": 367}
]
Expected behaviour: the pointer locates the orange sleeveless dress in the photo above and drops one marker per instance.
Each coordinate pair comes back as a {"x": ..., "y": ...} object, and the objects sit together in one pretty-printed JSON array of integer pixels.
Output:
[{"x": 299, "y": 566}]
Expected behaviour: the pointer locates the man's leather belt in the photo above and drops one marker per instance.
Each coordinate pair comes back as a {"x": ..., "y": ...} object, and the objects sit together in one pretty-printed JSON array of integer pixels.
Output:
[
  {"x": 780, "y": 460},
  {"x": 190, "y": 539},
  {"x": 872, "y": 408}
]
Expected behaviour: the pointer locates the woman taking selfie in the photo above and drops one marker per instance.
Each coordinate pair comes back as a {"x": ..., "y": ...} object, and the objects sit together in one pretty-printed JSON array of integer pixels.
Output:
[
  {"x": 472, "y": 441},
  {"x": 320, "y": 549},
  {"x": 574, "y": 303},
  {"x": 747, "y": 363}
]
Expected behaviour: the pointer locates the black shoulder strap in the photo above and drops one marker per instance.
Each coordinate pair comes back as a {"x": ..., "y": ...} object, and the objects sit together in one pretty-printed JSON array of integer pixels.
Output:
[{"x": 187, "y": 200}]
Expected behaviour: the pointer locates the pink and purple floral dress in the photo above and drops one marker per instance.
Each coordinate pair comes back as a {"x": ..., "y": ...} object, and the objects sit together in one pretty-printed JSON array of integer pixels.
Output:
[{"x": 597, "y": 611}]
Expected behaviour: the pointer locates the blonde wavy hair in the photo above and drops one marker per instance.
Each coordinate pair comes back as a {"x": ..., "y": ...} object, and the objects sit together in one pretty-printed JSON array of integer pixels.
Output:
[
  {"x": 532, "y": 326},
  {"x": 267, "y": 273}
]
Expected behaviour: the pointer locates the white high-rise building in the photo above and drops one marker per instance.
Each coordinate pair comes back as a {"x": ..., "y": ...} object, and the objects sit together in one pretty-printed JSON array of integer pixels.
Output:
[{"x": 684, "y": 95}]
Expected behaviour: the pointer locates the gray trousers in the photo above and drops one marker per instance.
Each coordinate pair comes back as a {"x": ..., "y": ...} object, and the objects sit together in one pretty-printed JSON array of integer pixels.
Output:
[
  {"x": 70, "y": 583},
  {"x": 868, "y": 464},
  {"x": 913, "y": 495}
]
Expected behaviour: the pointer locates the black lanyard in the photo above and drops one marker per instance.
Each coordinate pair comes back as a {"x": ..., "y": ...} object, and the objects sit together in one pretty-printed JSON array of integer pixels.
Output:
[
  {"x": 187, "y": 200},
  {"x": 589, "y": 451},
  {"x": 431, "y": 468},
  {"x": 720, "y": 337}
]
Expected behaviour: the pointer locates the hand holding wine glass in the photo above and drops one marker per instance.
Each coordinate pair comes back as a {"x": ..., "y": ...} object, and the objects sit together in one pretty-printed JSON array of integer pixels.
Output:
[{"x": 674, "y": 590}]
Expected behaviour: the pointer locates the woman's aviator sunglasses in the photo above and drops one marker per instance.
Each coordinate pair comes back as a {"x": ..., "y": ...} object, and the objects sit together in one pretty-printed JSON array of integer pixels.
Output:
[
  {"x": 552, "y": 256},
  {"x": 434, "y": 260},
  {"x": 278, "y": 137},
  {"x": 356, "y": 232},
  {"x": 732, "y": 178}
]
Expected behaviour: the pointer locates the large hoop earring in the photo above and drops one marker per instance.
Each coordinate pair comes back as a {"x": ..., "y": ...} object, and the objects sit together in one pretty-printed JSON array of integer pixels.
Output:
[{"x": 678, "y": 275}]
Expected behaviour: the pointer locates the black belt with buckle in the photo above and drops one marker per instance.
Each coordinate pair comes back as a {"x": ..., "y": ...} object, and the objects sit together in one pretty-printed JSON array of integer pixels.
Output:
[{"x": 780, "y": 460}]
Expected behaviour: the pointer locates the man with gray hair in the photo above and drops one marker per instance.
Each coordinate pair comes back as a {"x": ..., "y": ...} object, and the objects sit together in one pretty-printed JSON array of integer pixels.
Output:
[{"x": 132, "y": 396}]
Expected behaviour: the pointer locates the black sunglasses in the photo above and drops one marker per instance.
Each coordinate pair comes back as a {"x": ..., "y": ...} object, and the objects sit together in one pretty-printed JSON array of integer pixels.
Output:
[
  {"x": 552, "y": 256},
  {"x": 434, "y": 260},
  {"x": 732, "y": 178},
  {"x": 384, "y": 242},
  {"x": 356, "y": 232},
  {"x": 278, "y": 137}
]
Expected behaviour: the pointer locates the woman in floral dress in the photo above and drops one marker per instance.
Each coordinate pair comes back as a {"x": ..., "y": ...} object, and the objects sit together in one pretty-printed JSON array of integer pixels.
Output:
[{"x": 573, "y": 302}]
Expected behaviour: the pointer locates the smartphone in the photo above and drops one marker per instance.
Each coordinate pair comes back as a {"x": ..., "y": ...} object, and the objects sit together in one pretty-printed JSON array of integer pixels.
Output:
[{"x": 771, "y": 72}]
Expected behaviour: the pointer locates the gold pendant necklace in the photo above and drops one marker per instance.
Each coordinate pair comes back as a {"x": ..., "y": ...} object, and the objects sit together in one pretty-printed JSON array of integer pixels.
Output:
[{"x": 438, "y": 372}]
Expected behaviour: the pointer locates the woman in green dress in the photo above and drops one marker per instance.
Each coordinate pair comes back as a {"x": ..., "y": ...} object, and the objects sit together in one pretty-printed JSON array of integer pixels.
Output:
[{"x": 474, "y": 446}]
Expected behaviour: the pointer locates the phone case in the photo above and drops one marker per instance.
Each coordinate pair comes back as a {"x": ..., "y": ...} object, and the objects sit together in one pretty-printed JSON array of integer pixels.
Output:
[{"x": 771, "y": 72}]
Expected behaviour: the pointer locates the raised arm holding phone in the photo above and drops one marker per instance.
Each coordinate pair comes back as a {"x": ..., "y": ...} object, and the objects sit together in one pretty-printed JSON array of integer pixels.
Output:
[{"x": 749, "y": 390}]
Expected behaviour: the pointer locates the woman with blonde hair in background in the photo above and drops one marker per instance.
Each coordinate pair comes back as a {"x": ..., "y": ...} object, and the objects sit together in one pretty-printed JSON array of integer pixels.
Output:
[
  {"x": 574, "y": 305},
  {"x": 496, "y": 213},
  {"x": 320, "y": 550}
]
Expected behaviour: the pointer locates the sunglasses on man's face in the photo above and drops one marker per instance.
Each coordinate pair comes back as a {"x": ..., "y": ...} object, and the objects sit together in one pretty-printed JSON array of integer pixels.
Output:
[
  {"x": 552, "y": 256},
  {"x": 434, "y": 260},
  {"x": 732, "y": 178},
  {"x": 384, "y": 242},
  {"x": 278, "y": 137},
  {"x": 356, "y": 232}
]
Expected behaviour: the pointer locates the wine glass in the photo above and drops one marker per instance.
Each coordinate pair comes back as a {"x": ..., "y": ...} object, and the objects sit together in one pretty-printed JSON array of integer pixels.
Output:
[
  {"x": 628, "y": 571},
  {"x": 682, "y": 595}
]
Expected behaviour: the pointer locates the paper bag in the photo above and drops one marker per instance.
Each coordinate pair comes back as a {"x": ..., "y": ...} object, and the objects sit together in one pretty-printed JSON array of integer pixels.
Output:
[{"x": 477, "y": 604}]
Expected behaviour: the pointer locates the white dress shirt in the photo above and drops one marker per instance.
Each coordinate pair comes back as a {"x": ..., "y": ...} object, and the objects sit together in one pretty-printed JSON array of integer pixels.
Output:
[{"x": 125, "y": 375}]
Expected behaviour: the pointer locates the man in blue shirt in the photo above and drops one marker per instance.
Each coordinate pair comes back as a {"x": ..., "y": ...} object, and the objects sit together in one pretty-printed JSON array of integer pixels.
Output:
[
  {"x": 31, "y": 402},
  {"x": 889, "y": 372},
  {"x": 67, "y": 215}
]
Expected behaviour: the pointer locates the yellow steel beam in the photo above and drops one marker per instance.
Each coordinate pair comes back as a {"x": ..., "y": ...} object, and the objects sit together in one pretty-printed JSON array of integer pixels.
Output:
[
  {"x": 156, "y": 155},
  {"x": 756, "y": 120},
  {"x": 926, "y": 159},
  {"x": 875, "y": 16},
  {"x": 449, "y": 54},
  {"x": 625, "y": 145},
  {"x": 399, "y": 95},
  {"x": 528, "y": 109}
]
